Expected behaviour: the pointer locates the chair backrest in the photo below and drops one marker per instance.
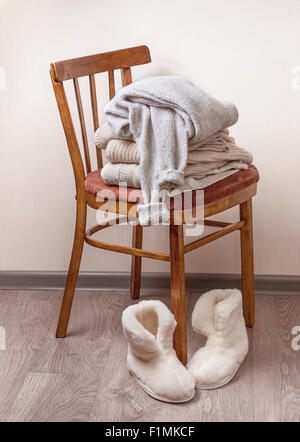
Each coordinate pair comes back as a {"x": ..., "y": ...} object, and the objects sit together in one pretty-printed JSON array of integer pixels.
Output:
[{"x": 72, "y": 69}]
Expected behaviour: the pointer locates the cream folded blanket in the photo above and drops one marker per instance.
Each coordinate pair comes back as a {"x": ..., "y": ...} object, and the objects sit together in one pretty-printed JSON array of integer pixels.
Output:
[
  {"x": 114, "y": 174},
  {"x": 162, "y": 114}
]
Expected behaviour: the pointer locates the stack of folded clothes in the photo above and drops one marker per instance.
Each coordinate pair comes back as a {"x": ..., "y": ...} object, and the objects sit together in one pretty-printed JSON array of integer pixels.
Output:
[
  {"x": 163, "y": 133},
  {"x": 209, "y": 161}
]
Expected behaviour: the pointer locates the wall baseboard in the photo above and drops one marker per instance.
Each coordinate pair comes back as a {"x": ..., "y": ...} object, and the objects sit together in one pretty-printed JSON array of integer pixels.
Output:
[{"x": 272, "y": 284}]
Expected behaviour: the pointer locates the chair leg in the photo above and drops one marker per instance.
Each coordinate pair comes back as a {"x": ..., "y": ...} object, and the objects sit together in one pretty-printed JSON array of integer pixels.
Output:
[
  {"x": 247, "y": 263},
  {"x": 136, "y": 262},
  {"x": 178, "y": 290},
  {"x": 73, "y": 270}
]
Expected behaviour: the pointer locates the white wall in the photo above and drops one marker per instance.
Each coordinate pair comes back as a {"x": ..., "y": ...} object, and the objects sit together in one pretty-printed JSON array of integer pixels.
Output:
[{"x": 241, "y": 50}]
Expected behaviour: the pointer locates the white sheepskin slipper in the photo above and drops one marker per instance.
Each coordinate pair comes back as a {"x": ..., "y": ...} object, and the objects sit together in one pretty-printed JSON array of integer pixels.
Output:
[
  {"x": 148, "y": 327},
  {"x": 218, "y": 314}
]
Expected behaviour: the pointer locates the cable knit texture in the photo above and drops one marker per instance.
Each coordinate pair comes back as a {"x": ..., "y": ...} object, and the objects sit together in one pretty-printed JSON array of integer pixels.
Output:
[
  {"x": 118, "y": 173},
  {"x": 161, "y": 114},
  {"x": 121, "y": 151}
]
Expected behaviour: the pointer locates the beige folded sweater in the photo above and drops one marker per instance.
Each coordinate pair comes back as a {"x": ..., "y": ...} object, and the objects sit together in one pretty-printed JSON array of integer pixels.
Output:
[
  {"x": 103, "y": 135},
  {"x": 121, "y": 151}
]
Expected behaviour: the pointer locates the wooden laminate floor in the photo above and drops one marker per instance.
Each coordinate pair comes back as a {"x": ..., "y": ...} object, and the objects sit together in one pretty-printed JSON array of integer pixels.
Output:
[{"x": 84, "y": 377}]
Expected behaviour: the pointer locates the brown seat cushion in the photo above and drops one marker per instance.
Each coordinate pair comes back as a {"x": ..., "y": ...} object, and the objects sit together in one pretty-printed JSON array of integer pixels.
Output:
[{"x": 238, "y": 181}]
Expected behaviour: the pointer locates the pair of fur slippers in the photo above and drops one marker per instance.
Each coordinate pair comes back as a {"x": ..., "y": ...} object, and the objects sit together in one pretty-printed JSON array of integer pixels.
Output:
[{"x": 149, "y": 327}]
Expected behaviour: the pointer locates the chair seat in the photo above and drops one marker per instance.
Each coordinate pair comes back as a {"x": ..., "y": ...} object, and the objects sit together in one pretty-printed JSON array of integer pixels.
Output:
[{"x": 228, "y": 186}]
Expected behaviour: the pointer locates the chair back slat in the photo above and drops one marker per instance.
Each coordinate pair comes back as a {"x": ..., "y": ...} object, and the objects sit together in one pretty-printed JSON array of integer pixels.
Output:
[
  {"x": 94, "y": 101},
  {"x": 82, "y": 125},
  {"x": 111, "y": 84},
  {"x": 94, "y": 105},
  {"x": 126, "y": 76}
]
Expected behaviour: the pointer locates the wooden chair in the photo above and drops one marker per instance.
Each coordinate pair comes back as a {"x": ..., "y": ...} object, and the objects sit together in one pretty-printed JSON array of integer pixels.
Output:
[{"x": 238, "y": 189}]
